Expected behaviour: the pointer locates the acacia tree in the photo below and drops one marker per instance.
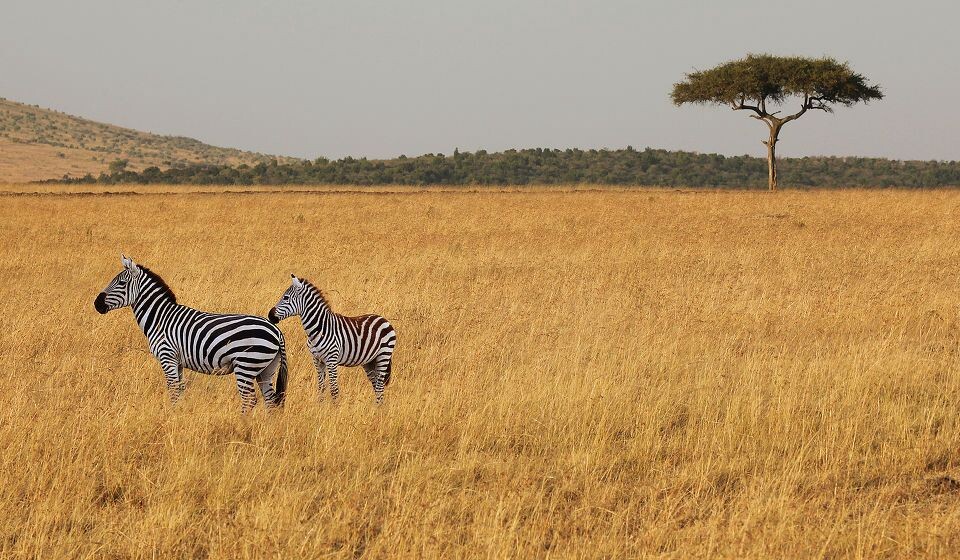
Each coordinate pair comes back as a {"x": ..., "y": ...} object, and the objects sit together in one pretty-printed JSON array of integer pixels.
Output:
[{"x": 754, "y": 82}]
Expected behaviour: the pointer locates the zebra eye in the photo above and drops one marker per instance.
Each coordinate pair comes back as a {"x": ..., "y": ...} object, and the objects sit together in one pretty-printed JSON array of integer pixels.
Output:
[{"x": 286, "y": 297}]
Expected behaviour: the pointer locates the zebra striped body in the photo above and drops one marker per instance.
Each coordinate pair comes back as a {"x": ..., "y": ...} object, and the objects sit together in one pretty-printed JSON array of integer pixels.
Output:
[
  {"x": 335, "y": 340},
  {"x": 182, "y": 337}
]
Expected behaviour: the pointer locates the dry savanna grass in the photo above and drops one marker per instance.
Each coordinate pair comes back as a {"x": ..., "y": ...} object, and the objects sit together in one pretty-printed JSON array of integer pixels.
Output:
[{"x": 579, "y": 374}]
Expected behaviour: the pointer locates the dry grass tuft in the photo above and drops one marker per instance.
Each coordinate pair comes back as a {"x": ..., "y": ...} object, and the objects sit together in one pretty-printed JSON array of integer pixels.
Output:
[{"x": 580, "y": 374}]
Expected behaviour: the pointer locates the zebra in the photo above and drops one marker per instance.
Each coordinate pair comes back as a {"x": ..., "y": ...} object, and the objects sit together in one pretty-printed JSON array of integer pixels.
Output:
[
  {"x": 182, "y": 337},
  {"x": 335, "y": 340}
]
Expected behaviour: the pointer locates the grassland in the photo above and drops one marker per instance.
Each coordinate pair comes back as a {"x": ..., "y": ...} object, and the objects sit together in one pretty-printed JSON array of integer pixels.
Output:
[
  {"x": 38, "y": 144},
  {"x": 579, "y": 374}
]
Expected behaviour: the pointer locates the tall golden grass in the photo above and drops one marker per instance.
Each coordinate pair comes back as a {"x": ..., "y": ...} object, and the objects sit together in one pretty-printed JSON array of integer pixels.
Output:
[{"x": 578, "y": 374}]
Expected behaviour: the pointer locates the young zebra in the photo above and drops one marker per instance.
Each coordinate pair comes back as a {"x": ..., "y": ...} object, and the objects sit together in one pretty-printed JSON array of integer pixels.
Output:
[
  {"x": 181, "y": 337},
  {"x": 335, "y": 340}
]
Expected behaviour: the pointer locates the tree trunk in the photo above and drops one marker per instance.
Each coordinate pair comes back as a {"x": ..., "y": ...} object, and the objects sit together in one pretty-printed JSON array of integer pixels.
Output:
[{"x": 772, "y": 157}]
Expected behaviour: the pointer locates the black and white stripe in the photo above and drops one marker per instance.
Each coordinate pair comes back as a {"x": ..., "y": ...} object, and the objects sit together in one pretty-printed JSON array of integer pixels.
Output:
[
  {"x": 335, "y": 340},
  {"x": 181, "y": 337}
]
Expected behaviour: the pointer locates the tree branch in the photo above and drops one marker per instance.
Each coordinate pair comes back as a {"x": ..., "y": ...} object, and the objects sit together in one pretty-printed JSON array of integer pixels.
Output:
[
  {"x": 796, "y": 115},
  {"x": 803, "y": 109},
  {"x": 819, "y": 104},
  {"x": 761, "y": 112},
  {"x": 742, "y": 105}
]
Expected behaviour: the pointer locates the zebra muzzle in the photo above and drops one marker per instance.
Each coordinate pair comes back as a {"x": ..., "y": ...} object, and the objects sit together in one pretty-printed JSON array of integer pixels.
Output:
[
  {"x": 272, "y": 316},
  {"x": 100, "y": 304}
]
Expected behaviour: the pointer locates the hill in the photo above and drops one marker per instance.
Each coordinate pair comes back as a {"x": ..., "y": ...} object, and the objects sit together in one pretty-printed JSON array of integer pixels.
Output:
[{"x": 38, "y": 144}]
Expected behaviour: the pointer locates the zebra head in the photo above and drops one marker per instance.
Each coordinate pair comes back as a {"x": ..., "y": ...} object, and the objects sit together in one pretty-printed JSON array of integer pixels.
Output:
[
  {"x": 291, "y": 302},
  {"x": 122, "y": 290}
]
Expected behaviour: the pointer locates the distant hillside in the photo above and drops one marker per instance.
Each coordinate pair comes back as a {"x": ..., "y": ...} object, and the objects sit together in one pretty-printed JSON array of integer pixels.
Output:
[
  {"x": 37, "y": 144},
  {"x": 539, "y": 166}
]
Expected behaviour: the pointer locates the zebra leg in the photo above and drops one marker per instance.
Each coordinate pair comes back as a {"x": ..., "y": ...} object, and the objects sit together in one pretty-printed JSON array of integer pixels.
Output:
[
  {"x": 266, "y": 389},
  {"x": 332, "y": 374},
  {"x": 173, "y": 374},
  {"x": 265, "y": 381},
  {"x": 376, "y": 374},
  {"x": 318, "y": 363},
  {"x": 245, "y": 386}
]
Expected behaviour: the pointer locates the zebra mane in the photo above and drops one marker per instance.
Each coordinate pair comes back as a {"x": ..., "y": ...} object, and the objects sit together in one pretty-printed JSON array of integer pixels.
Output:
[
  {"x": 159, "y": 281},
  {"x": 318, "y": 292}
]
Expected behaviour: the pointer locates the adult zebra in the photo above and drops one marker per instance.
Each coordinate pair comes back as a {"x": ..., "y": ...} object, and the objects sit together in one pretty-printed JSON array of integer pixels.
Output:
[
  {"x": 182, "y": 337},
  {"x": 335, "y": 340}
]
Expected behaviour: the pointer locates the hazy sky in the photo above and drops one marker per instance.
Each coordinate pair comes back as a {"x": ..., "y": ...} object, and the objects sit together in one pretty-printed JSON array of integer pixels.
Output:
[{"x": 379, "y": 79}]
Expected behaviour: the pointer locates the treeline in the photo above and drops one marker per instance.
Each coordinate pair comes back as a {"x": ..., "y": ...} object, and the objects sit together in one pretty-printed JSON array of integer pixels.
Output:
[{"x": 545, "y": 166}]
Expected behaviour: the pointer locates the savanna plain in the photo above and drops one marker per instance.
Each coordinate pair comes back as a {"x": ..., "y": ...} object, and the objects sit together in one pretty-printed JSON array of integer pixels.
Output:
[{"x": 579, "y": 373}]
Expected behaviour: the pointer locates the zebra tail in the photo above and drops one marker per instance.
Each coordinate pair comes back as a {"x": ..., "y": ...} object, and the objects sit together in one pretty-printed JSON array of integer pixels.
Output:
[
  {"x": 392, "y": 344},
  {"x": 281, "y": 384}
]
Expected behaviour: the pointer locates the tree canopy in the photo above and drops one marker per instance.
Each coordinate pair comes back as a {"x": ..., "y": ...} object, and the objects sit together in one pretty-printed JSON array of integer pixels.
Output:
[{"x": 763, "y": 78}]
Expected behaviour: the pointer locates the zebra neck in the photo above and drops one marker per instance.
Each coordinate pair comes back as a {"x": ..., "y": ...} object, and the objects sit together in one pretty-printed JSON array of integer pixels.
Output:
[
  {"x": 316, "y": 316},
  {"x": 150, "y": 308}
]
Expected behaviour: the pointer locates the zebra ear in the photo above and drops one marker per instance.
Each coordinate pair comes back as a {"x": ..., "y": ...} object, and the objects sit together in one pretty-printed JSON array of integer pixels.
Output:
[
  {"x": 129, "y": 264},
  {"x": 295, "y": 281}
]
